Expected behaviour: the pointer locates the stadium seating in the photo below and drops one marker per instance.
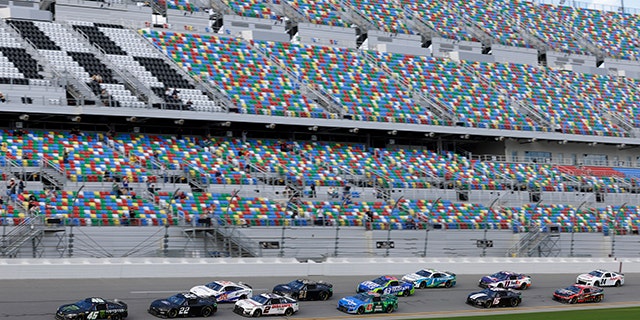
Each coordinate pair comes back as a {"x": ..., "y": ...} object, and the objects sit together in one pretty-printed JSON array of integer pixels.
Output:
[
  {"x": 386, "y": 15},
  {"x": 319, "y": 12},
  {"x": 440, "y": 18}
]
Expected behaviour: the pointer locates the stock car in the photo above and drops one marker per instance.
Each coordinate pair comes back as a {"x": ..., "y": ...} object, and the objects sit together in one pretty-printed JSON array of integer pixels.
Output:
[
  {"x": 601, "y": 278},
  {"x": 304, "y": 289},
  {"x": 430, "y": 278},
  {"x": 506, "y": 279},
  {"x": 224, "y": 291},
  {"x": 579, "y": 293},
  {"x": 267, "y": 304},
  {"x": 184, "y": 305},
  {"x": 93, "y": 308},
  {"x": 387, "y": 285},
  {"x": 495, "y": 297},
  {"x": 368, "y": 302}
]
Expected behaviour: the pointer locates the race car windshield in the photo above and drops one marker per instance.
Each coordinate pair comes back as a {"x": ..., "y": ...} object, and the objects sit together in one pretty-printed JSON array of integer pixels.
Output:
[
  {"x": 596, "y": 273},
  {"x": 361, "y": 297},
  {"x": 490, "y": 293},
  {"x": 260, "y": 299},
  {"x": 573, "y": 289},
  {"x": 499, "y": 275},
  {"x": 177, "y": 299},
  {"x": 424, "y": 273},
  {"x": 214, "y": 286},
  {"x": 296, "y": 284},
  {"x": 83, "y": 304},
  {"x": 381, "y": 281}
]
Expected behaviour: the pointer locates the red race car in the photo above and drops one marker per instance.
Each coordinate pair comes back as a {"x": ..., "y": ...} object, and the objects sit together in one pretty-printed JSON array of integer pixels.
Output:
[{"x": 579, "y": 293}]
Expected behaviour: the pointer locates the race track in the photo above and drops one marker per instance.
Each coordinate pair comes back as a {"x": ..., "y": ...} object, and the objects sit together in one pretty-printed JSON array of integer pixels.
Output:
[{"x": 38, "y": 299}]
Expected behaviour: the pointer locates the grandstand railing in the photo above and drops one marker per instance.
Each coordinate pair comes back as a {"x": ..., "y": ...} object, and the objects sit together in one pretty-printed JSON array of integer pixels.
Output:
[
  {"x": 590, "y": 5},
  {"x": 413, "y": 19},
  {"x": 14, "y": 239},
  {"x": 354, "y": 15}
]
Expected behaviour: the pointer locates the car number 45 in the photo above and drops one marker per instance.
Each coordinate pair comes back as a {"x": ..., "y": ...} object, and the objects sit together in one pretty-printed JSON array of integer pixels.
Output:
[{"x": 92, "y": 315}]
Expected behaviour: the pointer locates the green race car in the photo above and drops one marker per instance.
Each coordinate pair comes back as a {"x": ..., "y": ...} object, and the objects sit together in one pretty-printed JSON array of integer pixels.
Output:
[{"x": 368, "y": 302}]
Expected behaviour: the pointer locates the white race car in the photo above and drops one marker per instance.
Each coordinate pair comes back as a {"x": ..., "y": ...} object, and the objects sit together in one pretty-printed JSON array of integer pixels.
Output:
[
  {"x": 267, "y": 304},
  {"x": 601, "y": 278},
  {"x": 224, "y": 291}
]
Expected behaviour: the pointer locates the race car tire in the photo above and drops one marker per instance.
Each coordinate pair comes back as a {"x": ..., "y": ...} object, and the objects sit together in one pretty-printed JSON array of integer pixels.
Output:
[
  {"x": 389, "y": 309},
  {"x": 523, "y": 286},
  {"x": 323, "y": 295},
  {"x": 288, "y": 312},
  {"x": 448, "y": 284},
  {"x": 487, "y": 304},
  {"x": 172, "y": 313},
  {"x": 618, "y": 283},
  {"x": 596, "y": 284},
  {"x": 598, "y": 298},
  {"x": 406, "y": 293},
  {"x": 500, "y": 285},
  {"x": 514, "y": 303},
  {"x": 257, "y": 313},
  {"x": 116, "y": 317},
  {"x": 207, "y": 311},
  {"x": 573, "y": 301},
  {"x": 360, "y": 310},
  {"x": 422, "y": 285},
  {"x": 242, "y": 297}
]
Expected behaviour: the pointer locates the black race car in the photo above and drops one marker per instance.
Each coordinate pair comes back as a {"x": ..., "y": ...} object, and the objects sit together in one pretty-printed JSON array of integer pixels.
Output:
[
  {"x": 93, "y": 308},
  {"x": 184, "y": 305},
  {"x": 495, "y": 297},
  {"x": 303, "y": 289}
]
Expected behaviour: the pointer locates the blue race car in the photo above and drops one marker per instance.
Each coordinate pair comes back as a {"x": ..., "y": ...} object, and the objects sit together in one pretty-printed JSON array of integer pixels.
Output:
[
  {"x": 430, "y": 278},
  {"x": 387, "y": 285},
  {"x": 368, "y": 303}
]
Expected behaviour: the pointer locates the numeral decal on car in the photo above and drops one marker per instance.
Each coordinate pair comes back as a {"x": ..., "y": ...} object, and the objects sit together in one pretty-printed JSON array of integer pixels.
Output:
[
  {"x": 92, "y": 315},
  {"x": 496, "y": 301},
  {"x": 266, "y": 309},
  {"x": 184, "y": 310}
]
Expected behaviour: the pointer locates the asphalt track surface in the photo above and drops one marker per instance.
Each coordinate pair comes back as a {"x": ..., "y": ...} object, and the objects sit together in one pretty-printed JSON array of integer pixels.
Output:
[{"x": 38, "y": 299}]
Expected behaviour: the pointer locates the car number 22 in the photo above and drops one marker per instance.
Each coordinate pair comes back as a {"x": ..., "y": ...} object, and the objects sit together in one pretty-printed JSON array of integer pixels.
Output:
[{"x": 184, "y": 310}]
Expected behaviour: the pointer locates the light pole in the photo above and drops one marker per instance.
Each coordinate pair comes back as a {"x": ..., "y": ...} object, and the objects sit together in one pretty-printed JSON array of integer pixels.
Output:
[
  {"x": 395, "y": 206},
  {"x": 428, "y": 227},
  {"x": 615, "y": 226}
]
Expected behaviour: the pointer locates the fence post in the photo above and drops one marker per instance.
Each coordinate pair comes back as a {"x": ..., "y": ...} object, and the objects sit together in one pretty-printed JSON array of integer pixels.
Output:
[
  {"x": 70, "y": 244},
  {"x": 165, "y": 248}
]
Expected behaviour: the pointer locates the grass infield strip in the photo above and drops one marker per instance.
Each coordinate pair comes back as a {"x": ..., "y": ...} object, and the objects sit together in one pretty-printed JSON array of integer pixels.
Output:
[{"x": 592, "y": 314}]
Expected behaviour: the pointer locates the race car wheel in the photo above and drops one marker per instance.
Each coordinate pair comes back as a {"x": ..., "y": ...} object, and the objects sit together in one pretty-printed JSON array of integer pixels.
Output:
[
  {"x": 514, "y": 303},
  {"x": 172, "y": 313},
  {"x": 618, "y": 283},
  {"x": 360, "y": 310},
  {"x": 406, "y": 293},
  {"x": 597, "y": 284},
  {"x": 487, "y": 304},
  {"x": 422, "y": 285},
  {"x": 500, "y": 285},
  {"x": 573, "y": 301},
  {"x": 257, "y": 313},
  {"x": 598, "y": 298},
  {"x": 323, "y": 295},
  {"x": 447, "y": 284},
  {"x": 523, "y": 286},
  {"x": 288, "y": 312},
  {"x": 389, "y": 309},
  {"x": 207, "y": 311}
]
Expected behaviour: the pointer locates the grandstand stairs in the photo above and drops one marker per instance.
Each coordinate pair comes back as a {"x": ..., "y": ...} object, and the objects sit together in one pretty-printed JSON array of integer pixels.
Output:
[
  {"x": 222, "y": 240},
  {"x": 412, "y": 19},
  {"x": 468, "y": 25},
  {"x": 536, "y": 243},
  {"x": 52, "y": 175},
  {"x": 529, "y": 37},
  {"x": 352, "y": 15},
  {"x": 220, "y": 6},
  {"x": 525, "y": 107},
  {"x": 421, "y": 98},
  {"x": 137, "y": 88},
  {"x": 285, "y": 9},
  {"x": 309, "y": 90},
  {"x": 13, "y": 241}
]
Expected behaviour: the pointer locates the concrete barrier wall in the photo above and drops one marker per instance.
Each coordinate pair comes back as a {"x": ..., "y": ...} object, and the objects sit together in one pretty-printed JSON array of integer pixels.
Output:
[{"x": 251, "y": 267}]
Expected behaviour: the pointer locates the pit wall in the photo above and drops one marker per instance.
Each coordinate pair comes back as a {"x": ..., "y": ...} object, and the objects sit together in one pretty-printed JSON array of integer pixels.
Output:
[{"x": 251, "y": 267}]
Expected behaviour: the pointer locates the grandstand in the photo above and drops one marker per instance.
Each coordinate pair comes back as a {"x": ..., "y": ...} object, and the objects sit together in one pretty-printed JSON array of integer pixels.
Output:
[{"x": 376, "y": 115}]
